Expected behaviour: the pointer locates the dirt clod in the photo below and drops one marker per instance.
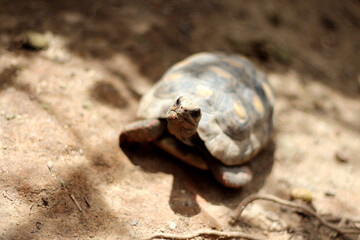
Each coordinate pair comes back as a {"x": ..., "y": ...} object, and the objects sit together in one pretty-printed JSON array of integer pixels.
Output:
[{"x": 342, "y": 155}]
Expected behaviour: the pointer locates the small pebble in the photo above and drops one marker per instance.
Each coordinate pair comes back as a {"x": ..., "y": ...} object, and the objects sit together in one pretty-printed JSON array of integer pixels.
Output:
[
  {"x": 50, "y": 165},
  {"x": 10, "y": 116},
  {"x": 87, "y": 105},
  {"x": 276, "y": 227},
  {"x": 330, "y": 193},
  {"x": 302, "y": 194},
  {"x": 36, "y": 40},
  {"x": 272, "y": 216},
  {"x": 45, "y": 106},
  {"x": 132, "y": 233},
  {"x": 342, "y": 156},
  {"x": 172, "y": 225},
  {"x": 134, "y": 222}
]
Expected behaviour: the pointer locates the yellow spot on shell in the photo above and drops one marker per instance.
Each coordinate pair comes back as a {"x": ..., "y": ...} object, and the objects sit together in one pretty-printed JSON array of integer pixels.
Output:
[
  {"x": 240, "y": 110},
  {"x": 258, "y": 104},
  {"x": 174, "y": 76},
  {"x": 221, "y": 72},
  {"x": 204, "y": 91},
  {"x": 268, "y": 92}
]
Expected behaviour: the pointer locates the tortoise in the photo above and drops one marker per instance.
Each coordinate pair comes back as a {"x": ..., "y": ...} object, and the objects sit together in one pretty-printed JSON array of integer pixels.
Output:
[{"x": 213, "y": 111}]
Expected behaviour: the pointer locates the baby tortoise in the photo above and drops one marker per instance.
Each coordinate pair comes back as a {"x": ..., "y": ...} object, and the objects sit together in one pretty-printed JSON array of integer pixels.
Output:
[{"x": 211, "y": 110}]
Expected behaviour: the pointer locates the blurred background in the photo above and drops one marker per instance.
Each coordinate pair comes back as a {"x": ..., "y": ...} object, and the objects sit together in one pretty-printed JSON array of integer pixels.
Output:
[{"x": 72, "y": 74}]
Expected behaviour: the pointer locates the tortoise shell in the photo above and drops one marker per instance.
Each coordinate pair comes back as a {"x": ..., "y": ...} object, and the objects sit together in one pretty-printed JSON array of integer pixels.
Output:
[{"x": 235, "y": 98}]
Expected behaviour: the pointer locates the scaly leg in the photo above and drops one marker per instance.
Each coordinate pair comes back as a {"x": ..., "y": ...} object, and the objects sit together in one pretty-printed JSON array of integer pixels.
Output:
[{"x": 143, "y": 131}]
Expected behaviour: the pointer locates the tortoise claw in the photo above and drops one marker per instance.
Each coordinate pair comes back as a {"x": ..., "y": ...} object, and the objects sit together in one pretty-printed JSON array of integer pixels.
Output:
[{"x": 236, "y": 177}]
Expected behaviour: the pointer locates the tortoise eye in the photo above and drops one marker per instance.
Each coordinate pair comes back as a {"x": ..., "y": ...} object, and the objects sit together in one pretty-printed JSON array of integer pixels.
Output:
[{"x": 195, "y": 113}]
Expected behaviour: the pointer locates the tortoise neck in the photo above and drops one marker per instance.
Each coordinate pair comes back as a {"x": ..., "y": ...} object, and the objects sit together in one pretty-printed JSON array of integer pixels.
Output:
[{"x": 186, "y": 135}]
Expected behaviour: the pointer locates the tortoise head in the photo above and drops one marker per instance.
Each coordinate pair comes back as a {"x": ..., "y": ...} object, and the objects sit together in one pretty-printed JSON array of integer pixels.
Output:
[{"x": 183, "y": 118}]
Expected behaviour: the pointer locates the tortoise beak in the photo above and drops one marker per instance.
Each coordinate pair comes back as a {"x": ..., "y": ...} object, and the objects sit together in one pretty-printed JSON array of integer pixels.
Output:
[{"x": 172, "y": 114}]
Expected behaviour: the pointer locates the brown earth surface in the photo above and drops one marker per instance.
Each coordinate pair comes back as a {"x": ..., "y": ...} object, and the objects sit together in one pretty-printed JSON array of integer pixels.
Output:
[{"x": 62, "y": 109}]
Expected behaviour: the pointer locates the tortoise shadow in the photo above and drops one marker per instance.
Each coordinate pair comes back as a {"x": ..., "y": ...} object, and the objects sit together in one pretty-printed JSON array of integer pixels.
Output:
[{"x": 189, "y": 181}]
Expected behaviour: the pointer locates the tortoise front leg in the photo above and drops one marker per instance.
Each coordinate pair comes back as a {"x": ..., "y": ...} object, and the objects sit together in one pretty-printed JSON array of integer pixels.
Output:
[{"x": 143, "y": 131}]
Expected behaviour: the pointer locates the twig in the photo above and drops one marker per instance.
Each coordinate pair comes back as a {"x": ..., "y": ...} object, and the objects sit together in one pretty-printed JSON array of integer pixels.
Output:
[
  {"x": 304, "y": 209},
  {"x": 7, "y": 196},
  {"x": 206, "y": 232},
  {"x": 76, "y": 203},
  {"x": 342, "y": 222},
  {"x": 87, "y": 201},
  {"x": 32, "y": 205},
  {"x": 352, "y": 219}
]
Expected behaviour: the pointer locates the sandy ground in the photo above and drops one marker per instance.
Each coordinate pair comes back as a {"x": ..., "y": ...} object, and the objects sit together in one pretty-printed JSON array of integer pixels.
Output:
[{"x": 62, "y": 109}]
